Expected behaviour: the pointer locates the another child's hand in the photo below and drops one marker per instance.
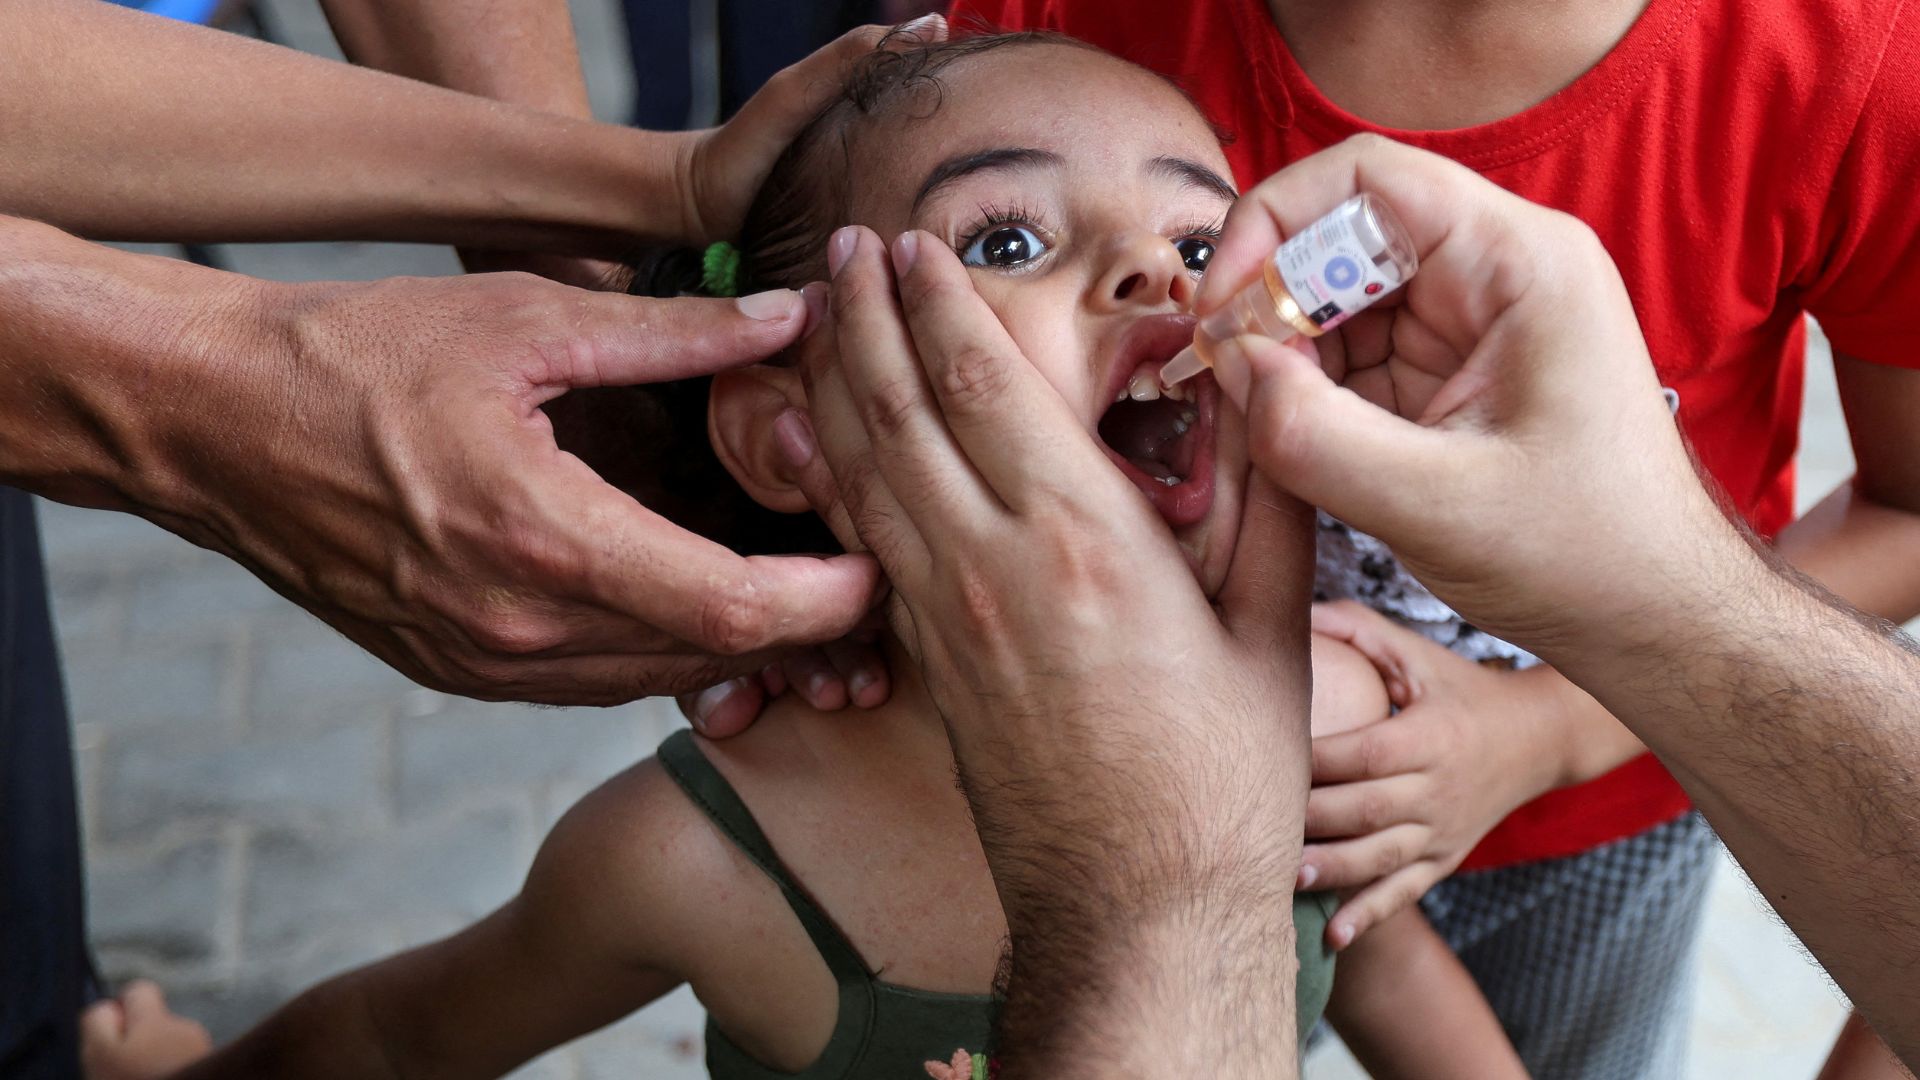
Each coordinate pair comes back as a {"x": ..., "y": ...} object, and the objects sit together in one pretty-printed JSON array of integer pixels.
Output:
[
  {"x": 1399, "y": 803},
  {"x": 135, "y": 1037}
]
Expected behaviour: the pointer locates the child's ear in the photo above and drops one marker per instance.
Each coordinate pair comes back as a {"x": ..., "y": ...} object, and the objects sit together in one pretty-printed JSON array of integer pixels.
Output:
[{"x": 741, "y": 408}]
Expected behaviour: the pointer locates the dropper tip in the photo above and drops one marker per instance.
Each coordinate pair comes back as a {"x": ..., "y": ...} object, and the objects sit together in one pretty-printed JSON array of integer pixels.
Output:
[{"x": 1185, "y": 365}]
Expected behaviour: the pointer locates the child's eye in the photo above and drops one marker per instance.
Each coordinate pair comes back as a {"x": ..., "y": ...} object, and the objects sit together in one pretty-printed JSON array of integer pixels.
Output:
[
  {"x": 1195, "y": 251},
  {"x": 1004, "y": 246}
]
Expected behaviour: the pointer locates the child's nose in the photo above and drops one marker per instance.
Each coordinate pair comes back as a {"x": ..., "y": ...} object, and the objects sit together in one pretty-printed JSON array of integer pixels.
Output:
[{"x": 1146, "y": 272}]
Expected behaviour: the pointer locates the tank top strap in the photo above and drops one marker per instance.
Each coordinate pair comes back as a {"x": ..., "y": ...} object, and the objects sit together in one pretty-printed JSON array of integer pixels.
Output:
[{"x": 709, "y": 791}]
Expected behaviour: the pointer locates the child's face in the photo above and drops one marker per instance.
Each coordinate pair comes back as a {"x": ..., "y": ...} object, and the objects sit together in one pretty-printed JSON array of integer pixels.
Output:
[{"x": 1084, "y": 195}]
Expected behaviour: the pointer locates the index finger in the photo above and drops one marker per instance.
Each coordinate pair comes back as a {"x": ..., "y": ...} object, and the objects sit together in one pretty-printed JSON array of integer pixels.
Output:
[
  {"x": 1460, "y": 223},
  {"x": 639, "y": 564},
  {"x": 610, "y": 339},
  {"x": 1007, "y": 418}
]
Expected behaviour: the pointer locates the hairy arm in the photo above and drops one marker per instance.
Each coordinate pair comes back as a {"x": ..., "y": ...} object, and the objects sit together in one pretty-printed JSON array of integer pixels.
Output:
[
  {"x": 598, "y": 931},
  {"x": 1860, "y": 542},
  {"x": 123, "y": 126},
  {"x": 1789, "y": 719},
  {"x": 1147, "y": 935}
]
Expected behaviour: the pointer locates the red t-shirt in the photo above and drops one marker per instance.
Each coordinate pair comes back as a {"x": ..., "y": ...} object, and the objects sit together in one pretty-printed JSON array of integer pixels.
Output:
[{"x": 1746, "y": 162}]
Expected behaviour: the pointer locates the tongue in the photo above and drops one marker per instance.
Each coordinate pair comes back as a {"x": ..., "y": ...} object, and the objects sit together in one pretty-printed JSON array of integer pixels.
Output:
[{"x": 1150, "y": 435}]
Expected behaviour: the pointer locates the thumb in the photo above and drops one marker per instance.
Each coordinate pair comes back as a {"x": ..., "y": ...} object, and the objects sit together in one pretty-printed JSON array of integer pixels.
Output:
[
  {"x": 1326, "y": 444},
  {"x": 615, "y": 340},
  {"x": 1388, "y": 646},
  {"x": 1271, "y": 577},
  {"x": 104, "y": 1021},
  {"x": 143, "y": 1000}
]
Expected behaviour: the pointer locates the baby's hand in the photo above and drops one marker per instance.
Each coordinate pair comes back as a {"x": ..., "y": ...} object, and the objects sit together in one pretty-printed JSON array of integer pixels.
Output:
[{"x": 135, "y": 1037}]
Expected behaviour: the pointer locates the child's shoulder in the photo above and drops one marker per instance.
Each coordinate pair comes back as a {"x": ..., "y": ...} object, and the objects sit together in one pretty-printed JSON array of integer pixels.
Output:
[{"x": 636, "y": 865}]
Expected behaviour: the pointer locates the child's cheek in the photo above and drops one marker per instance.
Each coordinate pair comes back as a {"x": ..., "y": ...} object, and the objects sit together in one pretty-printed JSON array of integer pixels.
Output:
[{"x": 1043, "y": 329}]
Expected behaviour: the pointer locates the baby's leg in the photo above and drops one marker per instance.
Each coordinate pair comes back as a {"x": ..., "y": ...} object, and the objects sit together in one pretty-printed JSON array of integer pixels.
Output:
[{"x": 1347, "y": 691}]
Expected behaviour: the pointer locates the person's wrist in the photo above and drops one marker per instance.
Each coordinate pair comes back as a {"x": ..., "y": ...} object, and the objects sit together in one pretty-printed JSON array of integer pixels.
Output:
[
  {"x": 121, "y": 345},
  {"x": 586, "y": 188},
  {"x": 1698, "y": 589},
  {"x": 1136, "y": 827},
  {"x": 206, "y": 341},
  {"x": 684, "y": 152}
]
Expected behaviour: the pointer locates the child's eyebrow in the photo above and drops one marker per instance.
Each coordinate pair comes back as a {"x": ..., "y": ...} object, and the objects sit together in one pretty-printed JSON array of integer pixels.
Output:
[
  {"x": 1009, "y": 157},
  {"x": 1193, "y": 174}
]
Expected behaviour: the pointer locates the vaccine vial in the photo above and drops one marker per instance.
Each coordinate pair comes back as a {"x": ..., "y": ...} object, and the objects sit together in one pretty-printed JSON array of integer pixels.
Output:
[{"x": 1322, "y": 277}]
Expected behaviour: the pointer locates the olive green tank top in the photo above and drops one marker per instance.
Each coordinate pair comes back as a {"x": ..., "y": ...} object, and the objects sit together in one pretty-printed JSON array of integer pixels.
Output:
[{"x": 887, "y": 1032}]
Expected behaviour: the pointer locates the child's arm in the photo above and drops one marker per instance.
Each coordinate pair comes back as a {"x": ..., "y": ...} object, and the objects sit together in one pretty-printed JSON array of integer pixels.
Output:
[
  {"x": 1859, "y": 1054},
  {"x": 1406, "y": 1007},
  {"x": 597, "y": 931}
]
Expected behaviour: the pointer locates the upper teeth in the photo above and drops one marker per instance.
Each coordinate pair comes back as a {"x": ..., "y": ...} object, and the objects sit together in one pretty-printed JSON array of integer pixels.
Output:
[{"x": 1145, "y": 386}]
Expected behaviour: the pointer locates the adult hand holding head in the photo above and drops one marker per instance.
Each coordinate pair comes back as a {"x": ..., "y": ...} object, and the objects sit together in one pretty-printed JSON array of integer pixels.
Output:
[
  {"x": 1135, "y": 758},
  {"x": 1505, "y": 434},
  {"x": 377, "y": 453}
]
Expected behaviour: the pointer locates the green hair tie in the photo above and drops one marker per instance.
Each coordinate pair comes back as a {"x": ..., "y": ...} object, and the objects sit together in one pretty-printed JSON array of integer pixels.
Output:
[{"x": 720, "y": 270}]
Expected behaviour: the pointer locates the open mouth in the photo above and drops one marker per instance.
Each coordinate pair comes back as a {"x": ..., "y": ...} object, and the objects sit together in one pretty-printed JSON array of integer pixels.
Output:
[{"x": 1163, "y": 440}]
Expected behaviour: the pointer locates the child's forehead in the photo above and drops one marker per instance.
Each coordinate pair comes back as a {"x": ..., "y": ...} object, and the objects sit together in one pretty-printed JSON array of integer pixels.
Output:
[{"x": 1079, "y": 103}]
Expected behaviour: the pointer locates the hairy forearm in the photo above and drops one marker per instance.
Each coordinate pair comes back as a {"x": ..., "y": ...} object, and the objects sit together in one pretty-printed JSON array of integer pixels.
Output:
[
  {"x": 518, "y": 51},
  {"x": 1857, "y": 547},
  {"x": 122, "y": 126},
  {"x": 1150, "y": 912},
  {"x": 1792, "y": 724}
]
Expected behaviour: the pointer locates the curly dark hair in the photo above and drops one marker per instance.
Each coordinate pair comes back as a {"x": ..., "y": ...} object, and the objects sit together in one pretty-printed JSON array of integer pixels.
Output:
[{"x": 652, "y": 440}]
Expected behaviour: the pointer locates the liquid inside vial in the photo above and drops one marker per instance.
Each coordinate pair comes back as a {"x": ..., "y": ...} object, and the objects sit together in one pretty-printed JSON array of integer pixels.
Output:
[{"x": 1320, "y": 278}]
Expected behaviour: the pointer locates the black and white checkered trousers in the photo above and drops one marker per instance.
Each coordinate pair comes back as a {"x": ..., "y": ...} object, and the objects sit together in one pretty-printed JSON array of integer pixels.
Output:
[{"x": 1589, "y": 960}]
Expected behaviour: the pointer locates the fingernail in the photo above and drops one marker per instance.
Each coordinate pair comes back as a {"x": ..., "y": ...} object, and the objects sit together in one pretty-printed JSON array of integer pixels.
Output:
[
  {"x": 817, "y": 686},
  {"x": 1308, "y": 875},
  {"x": 840, "y": 249},
  {"x": 1343, "y": 935},
  {"x": 774, "y": 679},
  {"x": 793, "y": 437},
  {"x": 815, "y": 293},
  {"x": 710, "y": 699},
  {"x": 858, "y": 683},
  {"x": 906, "y": 247},
  {"x": 769, "y": 306},
  {"x": 929, "y": 27}
]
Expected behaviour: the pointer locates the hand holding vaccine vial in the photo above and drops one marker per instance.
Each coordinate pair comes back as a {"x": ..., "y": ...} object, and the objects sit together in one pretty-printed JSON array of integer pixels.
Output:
[{"x": 1334, "y": 269}]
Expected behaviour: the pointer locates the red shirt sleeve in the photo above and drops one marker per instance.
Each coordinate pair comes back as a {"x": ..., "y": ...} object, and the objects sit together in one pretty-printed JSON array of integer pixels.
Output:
[{"x": 1865, "y": 289}]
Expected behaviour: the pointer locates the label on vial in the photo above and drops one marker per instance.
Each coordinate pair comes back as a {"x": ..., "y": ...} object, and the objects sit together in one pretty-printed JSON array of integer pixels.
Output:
[{"x": 1331, "y": 276}]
